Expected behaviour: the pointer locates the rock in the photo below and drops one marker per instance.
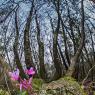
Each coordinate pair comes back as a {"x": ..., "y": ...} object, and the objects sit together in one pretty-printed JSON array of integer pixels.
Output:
[{"x": 63, "y": 86}]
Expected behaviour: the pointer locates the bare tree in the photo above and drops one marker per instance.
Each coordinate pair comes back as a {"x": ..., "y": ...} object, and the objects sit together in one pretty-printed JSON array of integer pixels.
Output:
[
  {"x": 27, "y": 49},
  {"x": 41, "y": 51},
  {"x": 15, "y": 48}
]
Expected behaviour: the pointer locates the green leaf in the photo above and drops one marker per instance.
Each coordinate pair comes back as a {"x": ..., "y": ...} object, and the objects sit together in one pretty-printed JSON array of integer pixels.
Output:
[{"x": 23, "y": 93}]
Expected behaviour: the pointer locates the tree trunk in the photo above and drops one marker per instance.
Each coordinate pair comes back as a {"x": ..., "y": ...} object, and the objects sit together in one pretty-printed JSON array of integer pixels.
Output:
[
  {"x": 41, "y": 52},
  {"x": 57, "y": 62},
  {"x": 27, "y": 48},
  {"x": 15, "y": 49},
  {"x": 63, "y": 59}
]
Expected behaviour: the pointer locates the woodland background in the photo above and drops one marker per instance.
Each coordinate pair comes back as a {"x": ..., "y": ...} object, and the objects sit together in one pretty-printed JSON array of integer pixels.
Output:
[{"x": 56, "y": 37}]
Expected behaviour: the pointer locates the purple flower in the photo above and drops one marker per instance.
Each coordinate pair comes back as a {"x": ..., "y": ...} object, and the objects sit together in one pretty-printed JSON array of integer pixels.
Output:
[
  {"x": 30, "y": 71},
  {"x": 25, "y": 84},
  {"x": 14, "y": 75}
]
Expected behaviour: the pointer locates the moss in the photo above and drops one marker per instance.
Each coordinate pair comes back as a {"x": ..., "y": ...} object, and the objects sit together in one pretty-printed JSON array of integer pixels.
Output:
[
  {"x": 63, "y": 86},
  {"x": 73, "y": 86},
  {"x": 3, "y": 92},
  {"x": 37, "y": 84}
]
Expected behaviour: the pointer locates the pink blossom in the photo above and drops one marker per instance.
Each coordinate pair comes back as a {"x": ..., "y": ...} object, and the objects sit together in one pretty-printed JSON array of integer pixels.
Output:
[
  {"x": 30, "y": 71},
  {"x": 14, "y": 75},
  {"x": 25, "y": 84},
  {"x": 20, "y": 86}
]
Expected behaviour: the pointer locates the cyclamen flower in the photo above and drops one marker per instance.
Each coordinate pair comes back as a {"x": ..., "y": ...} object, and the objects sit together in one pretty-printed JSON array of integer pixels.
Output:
[
  {"x": 14, "y": 75},
  {"x": 30, "y": 71},
  {"x": 25, "y": 84}
]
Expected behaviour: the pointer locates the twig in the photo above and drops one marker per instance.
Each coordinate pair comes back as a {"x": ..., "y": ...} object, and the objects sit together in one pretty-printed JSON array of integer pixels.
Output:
[{"x": 87, "y": 74}]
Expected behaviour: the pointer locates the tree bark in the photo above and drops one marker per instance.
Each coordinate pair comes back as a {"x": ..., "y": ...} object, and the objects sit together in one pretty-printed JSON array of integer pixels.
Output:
[
  {"x": 63, "y": 59},
  {"x": 15, "y": 49},
  {"x": 41, "y": 51},
  {"x": 27, "y": 48}
]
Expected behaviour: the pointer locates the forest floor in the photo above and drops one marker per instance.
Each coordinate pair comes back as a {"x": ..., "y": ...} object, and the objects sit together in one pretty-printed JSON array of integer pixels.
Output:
[{"x": 63, "y": 86}]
